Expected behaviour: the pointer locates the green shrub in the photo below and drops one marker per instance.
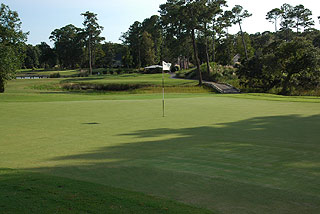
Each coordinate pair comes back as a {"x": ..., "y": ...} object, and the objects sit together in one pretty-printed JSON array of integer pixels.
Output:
[
  {"x": 152, "y": 71},
  {"x": 218, "y": 73},
  {"x": 103, "y": 87},
  {"x": 83, "y": 73},
  {"x": 99, "y": 71},
  {"x": 55, "y": 75}
]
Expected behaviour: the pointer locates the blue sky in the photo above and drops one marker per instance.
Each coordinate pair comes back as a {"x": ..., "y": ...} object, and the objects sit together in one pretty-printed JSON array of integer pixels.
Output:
[{"x": 41, "y": 17}]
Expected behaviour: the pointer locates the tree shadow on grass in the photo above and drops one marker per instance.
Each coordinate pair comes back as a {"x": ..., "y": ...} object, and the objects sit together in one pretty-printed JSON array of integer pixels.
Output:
[
  {"x": 259, "y": 165},
  {"x": 28, "y": 192}
]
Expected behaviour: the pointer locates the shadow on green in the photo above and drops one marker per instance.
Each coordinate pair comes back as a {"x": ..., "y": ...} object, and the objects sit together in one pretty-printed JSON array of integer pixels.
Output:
[
  {"x": 260, "y": 165},
  {"x": 25, "y": 192}
]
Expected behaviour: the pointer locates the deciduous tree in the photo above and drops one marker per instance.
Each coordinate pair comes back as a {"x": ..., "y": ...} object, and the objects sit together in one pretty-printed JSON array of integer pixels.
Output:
[
  {"x": 273, "y": 16},
  {"x": 302, "y": 17},
  {"x": 239, "y": 15},
  {"x": 286, "y": 19},
  {"x": 92, "y": 32},
  {"x": 32, "y": 55},
  {"x": 220, "y": 27},
  {"x": 132, "y": 39},
  {"x": 47, "y": 58},
  {"x": 11, "y": 44},
  {"x": 284, "y": 65},
  {"x": 297, "y": 60},
  {"x": 211, "y": 12},
  {"x": 68, "y": 45},
  {"x": 147, "y": 49},
  {"x": 152, "y": 25},
  {"x": 182, "y": 17}
]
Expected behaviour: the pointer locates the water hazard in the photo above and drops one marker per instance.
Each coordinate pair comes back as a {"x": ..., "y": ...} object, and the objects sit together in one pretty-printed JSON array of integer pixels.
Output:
[{"x": 31, "y": 77}]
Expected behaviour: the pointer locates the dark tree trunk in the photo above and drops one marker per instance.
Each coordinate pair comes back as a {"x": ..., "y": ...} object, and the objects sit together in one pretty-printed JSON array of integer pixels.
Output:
[
  {"x": 228, "y": 48},
  {"x": 207, "y": 53},
  {"x": 93, "y": 56},
  {"x": 187, "y": 62},
  {"x": 285, "y": 86},
  {"x": 213, "y": 48},
  {"x": 195, "y": 51},
  {"x": 207, "y": 56},
  {"x": 243, "y": 42},
  {"x": 90, "y": 56},
  {"x": 2, "y": 86},
  {"x": 139, "y": 57}
]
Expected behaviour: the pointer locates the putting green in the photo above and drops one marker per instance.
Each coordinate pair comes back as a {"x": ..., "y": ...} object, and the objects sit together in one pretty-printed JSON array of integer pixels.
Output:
[{"x": 226, "y": 154}]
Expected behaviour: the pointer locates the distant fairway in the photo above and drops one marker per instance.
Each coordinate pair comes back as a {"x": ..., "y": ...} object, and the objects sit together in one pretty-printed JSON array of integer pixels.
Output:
[{"x": 230, "y": 154}]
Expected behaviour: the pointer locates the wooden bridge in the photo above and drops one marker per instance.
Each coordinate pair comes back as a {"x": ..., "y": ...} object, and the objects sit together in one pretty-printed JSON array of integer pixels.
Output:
[{"x": 222, "y": 88}]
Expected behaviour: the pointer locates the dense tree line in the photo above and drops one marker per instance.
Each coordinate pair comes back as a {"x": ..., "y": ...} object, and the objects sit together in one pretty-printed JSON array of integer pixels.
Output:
[
  {"x": 286, "y": 59},
  {"x": 70, "y": 54},
  {"x": 193, "y": 31},
  {"x": 75, "y": 48},
  {"x": 144, "y": 42}
]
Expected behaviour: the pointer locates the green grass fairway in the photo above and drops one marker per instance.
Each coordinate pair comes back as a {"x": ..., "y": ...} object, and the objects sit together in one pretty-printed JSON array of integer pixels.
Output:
[
  {"x": 41, "y": 71},
  {"x": 230, "y": 154},
  {"x": 154, "y": 79},
  {"x": 24, "y": 192},
  {"x": 40, "y": 90}
]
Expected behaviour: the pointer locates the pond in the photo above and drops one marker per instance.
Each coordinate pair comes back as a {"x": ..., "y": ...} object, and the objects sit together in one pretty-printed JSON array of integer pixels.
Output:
[{"x": 31, "y": 77}]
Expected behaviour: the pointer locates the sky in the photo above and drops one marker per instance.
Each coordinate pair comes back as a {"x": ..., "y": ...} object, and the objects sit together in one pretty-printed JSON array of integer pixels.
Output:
[{"x": 41, "y": 17}]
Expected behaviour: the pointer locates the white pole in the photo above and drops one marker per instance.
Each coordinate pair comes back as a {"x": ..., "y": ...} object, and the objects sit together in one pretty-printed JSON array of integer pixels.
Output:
[{"x": 162, "y": 92}]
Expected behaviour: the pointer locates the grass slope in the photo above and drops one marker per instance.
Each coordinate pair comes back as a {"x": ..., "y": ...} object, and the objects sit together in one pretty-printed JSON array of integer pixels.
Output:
[
  {"x": 41, "y": 71},
  {"x": 150, "y": 83},
  {"x": 40, "y": 90},
  {"x": 224, "y": 153},
  {"x": 25, "y": 192},
  {"x": 153, "y": 79}
]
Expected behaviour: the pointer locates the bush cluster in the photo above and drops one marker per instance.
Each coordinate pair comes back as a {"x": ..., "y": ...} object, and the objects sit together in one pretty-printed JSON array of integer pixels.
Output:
[
  {"x": 218, "y": 73},
  {"x": 55, "y": 75},
  {"x": 102, "y": 87}
]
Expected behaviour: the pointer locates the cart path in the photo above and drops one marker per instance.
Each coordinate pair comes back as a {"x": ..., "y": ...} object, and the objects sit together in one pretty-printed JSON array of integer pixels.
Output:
[{"x": 222, "y": 88}]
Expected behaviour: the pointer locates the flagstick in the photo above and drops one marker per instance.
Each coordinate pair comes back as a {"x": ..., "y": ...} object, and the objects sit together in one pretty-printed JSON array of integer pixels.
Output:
[{"x": 162, "y": 93}]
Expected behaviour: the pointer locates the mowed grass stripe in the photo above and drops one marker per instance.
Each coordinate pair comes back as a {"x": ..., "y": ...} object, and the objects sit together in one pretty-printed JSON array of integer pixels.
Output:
[
  {"x": 229, "y": 155},
  {"x": 38, "y": 193}
]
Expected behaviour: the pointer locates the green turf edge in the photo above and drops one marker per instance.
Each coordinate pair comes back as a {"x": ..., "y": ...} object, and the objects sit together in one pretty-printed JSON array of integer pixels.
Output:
[
  {"x": 69, "y": 96},
  {"x": 29, "y": 192},
  {"x": 273, "y": 97}
]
